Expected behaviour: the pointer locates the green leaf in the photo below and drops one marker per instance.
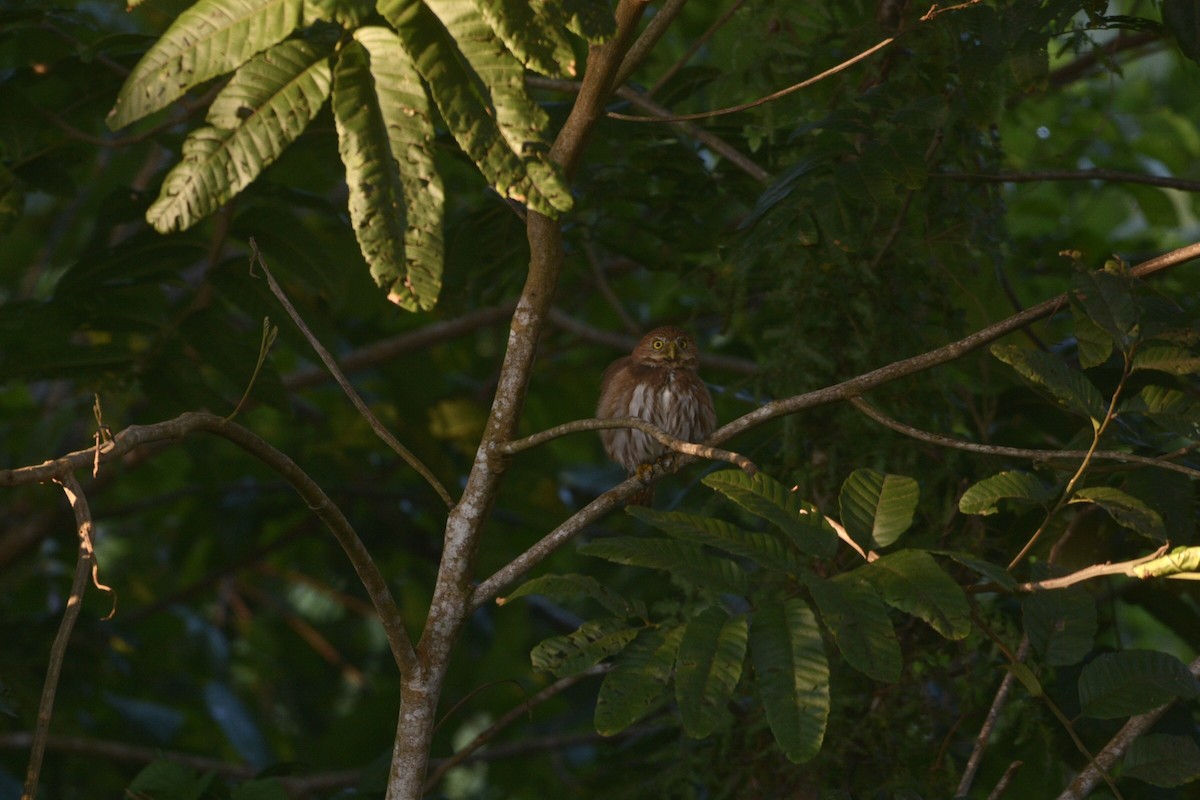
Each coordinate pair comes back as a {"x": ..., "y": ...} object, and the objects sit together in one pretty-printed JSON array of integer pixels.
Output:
[
  {"x": 1133, "y": 682},
  {"x": 1026, "y": 677},
  {"x": 685, "y": 561},
  {"x": 792, "y": 675},
  {"x": 350, "y": 14},
  {"x": 984, "y": 497},
  {"x": 987, "y": 569},
  {"x": 531, "y": 34},
  {"x": 766, "y": 497},
  {"x": 708, "y": 668},
  {"x": 767, "y": 549},
  {"x": 168, "y": 779},
  {"x": 858, "y": 621},
  {"x": 1061, "y": 624},
  {"x": 385, "y": 136},
  {"x": 12, "y": 199},
  {"x": 1126, "y": 510},
  {"x": 1094, "y": 344},
  {"x": 1161, "y": 759},
  {"x": 267, "y": 104},
  {"x": 260, "y": 789},
  {"x": 571, "y": 586},
  {"x": 1182, "y": 18},
  {"x": 481, "y": 95},
  {"x": 912, "y": 581},
  {"x": 585, "y": 647},
  {"x": 877, "y": 508},
  {"x": 637, "y": 681},
  {"x": 1106, "y": 299},
  {"x": 209, "y": 39},
  {"x": 1070, "y": 387},
  {"x": 1172, "y": 360}
]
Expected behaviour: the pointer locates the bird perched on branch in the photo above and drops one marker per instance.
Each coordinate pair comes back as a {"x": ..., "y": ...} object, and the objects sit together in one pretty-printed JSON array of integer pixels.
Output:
[{"x": 659, "y": 383}]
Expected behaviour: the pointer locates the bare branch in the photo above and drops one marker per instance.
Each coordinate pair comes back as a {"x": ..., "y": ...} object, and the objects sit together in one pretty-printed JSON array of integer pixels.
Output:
[
  {"x": 256, "y": 257},
  {"x": 989, "y": 722},
  {"x": 654, "y": 30},
  {"x": 1041, "y": 176},
  {"x": 58, "y": 650},
  {"x": 648, "y": 428},
  {"x": 1014, "y": 452},
  {"x": 1107, "y": 758},
  {"x": 694, "y": 47},
  {"x": 136, "y": 436},
  {"x": 1128, "y": 568}
]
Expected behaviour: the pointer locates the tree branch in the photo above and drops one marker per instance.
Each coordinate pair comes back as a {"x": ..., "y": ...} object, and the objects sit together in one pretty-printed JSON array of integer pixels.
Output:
[
  {"x": 136, "y": 436},
  {"x": 1040, "y": 176},
  {"x": 382, "y": 432},
  {"x": 648, "y": 428},
  {"x": 1013, "y": 452}
]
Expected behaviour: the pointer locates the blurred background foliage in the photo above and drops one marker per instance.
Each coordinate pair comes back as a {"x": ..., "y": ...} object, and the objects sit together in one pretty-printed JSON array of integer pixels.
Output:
[{"x": 865, "y": 235}]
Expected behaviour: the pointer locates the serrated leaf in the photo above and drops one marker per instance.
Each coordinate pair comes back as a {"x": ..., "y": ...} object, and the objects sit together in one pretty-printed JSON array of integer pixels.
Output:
[
  {"x": 767, "y": 549},
  {"x": 385, "y": 136},
  {"x": 877, "y": 508},
  {"x": 983, "y": 498},
  {"x": 792, "y": 675},
  {"x": 858, "y": 621},
  {"x": 683, "y": 560},
  {"x": 585, "y": 647},
  {"x": 267, "y": 104},
  {"x": 987, "y": 569},
  {"x": 531, "y": 35},
  {"x": 766, "y": 497},
  {"x": 1126, "y": 510},
  {"x": 480, "y": 93},
  {"x": 572, "y": 586},
  {"x": 209, "y": 39},
  {"x": 1161, "y": 759},
  {"x": 1171, "y": 360},
  {"x": 1107, "y": 300},
  {"x": 1133, "y": 682},
  {"x": 637, "y": 681},
  {"x": 1061, "y": 624},
  {"x": 912, "y": 581},
  {"x": 1069, "y": 387},
  {"x": 708, "y": 668}
]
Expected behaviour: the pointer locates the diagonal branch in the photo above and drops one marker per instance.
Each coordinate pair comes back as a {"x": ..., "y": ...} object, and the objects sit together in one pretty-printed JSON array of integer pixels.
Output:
[{"x": 382, "y": 432}]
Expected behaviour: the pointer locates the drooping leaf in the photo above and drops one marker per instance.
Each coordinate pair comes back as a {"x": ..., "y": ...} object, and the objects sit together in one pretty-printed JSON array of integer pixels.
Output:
[
  {"x": 1161, "y": 759},
  {"x": 792, "y": 675},
  {"x": 480, "y": 94},
  {"x": 1126, "y": 510},
  {"x": 1025, "y": 675},
  {"x": 912, "y": 581},
  {"x": 708, "y": 668},
  {"x": 267, "y": 104},
  {"x": 1133, "y": 682},
  {"x": 637, "y": 681},
  {"x": 877, "y": 508},
  {"x": 766, "y": 497},
  {"x": 767, "y": 549},
  {"x": 686, "y": 561},
  {"x": 1171, "y": 360},
  {"x": 1061, "y": 624},
  {"x": 571, "y": 586},
  {"x": 1094, "y": 344},
  {"x": 385, "y": 136},
  {"x": 987, "y": 569},
  {"x": 209, "y": 39},
  {"x": 1106, "y": 300},
  {"x": 858, "y": 621},
  {"x": 1070, "y": 387},
  {"x": 532, "y": 35},
  {"x": 984, "y": 497},
  {"x": 588, "y": 645}
]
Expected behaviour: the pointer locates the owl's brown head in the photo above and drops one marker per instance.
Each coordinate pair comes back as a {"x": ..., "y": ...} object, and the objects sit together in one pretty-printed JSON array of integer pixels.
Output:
[{"x": 667, "y": 346}]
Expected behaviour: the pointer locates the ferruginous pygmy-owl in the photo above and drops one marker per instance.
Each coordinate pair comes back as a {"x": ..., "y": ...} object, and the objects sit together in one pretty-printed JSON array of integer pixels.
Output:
[{"x": 658, "y": 382}]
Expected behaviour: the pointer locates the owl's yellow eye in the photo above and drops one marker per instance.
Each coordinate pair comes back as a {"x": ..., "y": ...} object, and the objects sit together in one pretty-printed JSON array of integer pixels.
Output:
[
  {"x": 681, "y": 344},
  {"x": 658, "y": 344}
]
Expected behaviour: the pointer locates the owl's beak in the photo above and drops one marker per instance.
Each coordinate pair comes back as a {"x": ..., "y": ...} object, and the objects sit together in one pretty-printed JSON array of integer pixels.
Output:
[{"x": 670, "y": 351}]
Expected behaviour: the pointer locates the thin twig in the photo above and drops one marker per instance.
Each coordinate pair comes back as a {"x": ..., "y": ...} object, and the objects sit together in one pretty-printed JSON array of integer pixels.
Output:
[
  {"x": 694, "y": 47},
  {"x": 84, "y": 564},
  {"x": 720, "y": 112},
  {"x": 1128, "y": 568},
  {"x": 1005, "y": 779},
  {"x": 509, "y": 717},
  {"x": 614, "y": 302},
  {"x": 641, "y": 47},
  {"x": 382, "y": 432},
  {"x": 1040, "y": 176},
  {"x": 989, "y": 723},
  {"x": 1013, "y": 452},
  {"x": 648, "y": 428}
]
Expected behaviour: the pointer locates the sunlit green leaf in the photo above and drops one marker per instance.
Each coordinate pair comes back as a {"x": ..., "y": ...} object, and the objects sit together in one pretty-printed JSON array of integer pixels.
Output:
[
  {"x": 766, "y": 497},
  {"x": 1070, "y": 387},
  {"x": 877, "y": 509},
  {"x": 1125, "y": 510},
  {"x": 984, "y": 497},
  {"x": 1172, "y": 360},
  {"x": 912, "y": 581},
  {"x": 531, "y": 34}
]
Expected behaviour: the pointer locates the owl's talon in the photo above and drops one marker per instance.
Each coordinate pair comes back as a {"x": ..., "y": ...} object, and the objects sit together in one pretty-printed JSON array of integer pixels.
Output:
[{"x": 644, "y": 472}]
